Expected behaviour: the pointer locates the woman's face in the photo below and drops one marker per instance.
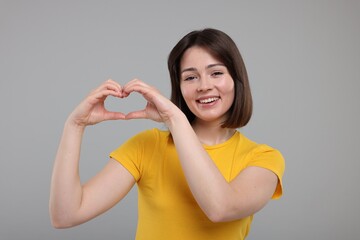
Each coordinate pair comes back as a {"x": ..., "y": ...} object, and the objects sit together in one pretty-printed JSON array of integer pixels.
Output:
[{"x": 206, "y": 85}]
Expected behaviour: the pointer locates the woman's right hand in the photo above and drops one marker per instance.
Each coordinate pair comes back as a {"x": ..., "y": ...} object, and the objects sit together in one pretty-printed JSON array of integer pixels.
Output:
[{"x": 92, "y": 109}]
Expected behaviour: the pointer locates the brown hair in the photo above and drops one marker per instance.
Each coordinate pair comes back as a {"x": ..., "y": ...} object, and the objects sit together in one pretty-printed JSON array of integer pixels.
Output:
[{"x": 222, "y": 47}]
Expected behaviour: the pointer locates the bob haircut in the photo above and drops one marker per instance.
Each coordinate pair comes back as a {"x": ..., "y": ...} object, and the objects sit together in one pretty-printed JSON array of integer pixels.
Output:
[{"x": 223, "y": 48}]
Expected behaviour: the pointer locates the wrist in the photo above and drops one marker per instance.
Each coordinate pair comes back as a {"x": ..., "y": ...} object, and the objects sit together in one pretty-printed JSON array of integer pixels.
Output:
[
  {"x": 176, "y": 121},
  {"x": 72, "y": 125}
]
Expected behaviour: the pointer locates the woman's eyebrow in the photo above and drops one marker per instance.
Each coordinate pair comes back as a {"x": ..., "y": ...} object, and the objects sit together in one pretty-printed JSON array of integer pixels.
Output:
[
  {"x": 191, "y": 69},
  {"x": 214, "y": 65}
]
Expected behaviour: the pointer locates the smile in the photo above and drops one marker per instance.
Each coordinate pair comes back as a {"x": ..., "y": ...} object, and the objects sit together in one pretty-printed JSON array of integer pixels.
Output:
[{"x": 208, "y": 100}]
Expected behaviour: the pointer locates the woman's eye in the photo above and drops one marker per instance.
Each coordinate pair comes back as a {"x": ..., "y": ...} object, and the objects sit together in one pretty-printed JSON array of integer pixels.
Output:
[
  {"x": 217, "y": 74},
  {"x": 189, "y": 78}
]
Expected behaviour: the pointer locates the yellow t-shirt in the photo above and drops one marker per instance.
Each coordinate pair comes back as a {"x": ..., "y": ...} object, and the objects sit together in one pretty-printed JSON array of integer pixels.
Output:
[{"x": 166, "y": 207}]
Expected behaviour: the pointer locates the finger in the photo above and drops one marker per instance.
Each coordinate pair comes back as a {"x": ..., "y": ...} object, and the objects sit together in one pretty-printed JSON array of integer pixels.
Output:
[
  {"x": 145, "y": 90},
  {"x": 112, "y": 81},
  {"x": 133, "y": 81},
  {"x": 110, "y": 85},
  {"x": 135, "y": 85},
  {"x": 114, "y": 116},
  {"x": 102, "y": 95},
  {"x": 141, "y": 114}
]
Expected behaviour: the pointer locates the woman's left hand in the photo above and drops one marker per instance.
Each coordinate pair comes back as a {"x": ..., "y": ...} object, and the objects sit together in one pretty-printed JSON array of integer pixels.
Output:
[{"x": 158, "y": 107}]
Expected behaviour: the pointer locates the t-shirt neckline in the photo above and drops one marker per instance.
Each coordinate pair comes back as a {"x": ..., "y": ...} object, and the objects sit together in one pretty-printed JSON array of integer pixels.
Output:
[{"x": 219, "y": 145}]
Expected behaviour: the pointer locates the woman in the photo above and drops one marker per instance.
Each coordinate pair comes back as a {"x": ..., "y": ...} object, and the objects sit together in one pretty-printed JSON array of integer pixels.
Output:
[{"x": 200, "y": 179}]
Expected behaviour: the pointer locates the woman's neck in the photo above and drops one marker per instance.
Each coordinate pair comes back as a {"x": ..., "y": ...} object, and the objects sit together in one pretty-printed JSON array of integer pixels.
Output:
[{"x": 211, "y": 133}]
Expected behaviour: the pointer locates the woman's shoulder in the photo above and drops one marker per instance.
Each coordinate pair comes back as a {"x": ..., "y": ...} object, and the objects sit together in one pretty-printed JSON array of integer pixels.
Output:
[{"x": 254, "y": 147}]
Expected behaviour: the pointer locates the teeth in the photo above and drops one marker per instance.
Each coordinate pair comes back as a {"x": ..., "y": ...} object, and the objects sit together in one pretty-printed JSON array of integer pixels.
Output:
[{"x": 208, "y": 100}]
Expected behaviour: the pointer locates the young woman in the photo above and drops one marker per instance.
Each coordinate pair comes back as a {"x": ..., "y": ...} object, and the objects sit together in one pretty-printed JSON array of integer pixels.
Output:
[{"x": 200, "y": 179}]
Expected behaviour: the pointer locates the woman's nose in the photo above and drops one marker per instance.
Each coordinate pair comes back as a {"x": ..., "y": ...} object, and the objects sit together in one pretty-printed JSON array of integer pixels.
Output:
[{"x": 204, "y": 84}]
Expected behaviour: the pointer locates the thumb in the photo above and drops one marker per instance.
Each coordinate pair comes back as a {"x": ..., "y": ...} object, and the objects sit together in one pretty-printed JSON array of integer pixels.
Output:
[
  {"x": 141, "y": 114},
  {"x": 114, "y": 116}
]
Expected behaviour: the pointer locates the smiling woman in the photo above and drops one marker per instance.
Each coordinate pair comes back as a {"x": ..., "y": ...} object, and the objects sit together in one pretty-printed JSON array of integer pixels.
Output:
[
  {"x": 224, "y": 52},
  {"x": 201, "y": 178},
  {"x": 206, "y": 86}
]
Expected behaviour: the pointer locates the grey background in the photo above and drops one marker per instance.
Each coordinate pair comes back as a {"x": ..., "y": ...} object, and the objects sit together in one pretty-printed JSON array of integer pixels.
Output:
[{"x": 303, "y": 60}]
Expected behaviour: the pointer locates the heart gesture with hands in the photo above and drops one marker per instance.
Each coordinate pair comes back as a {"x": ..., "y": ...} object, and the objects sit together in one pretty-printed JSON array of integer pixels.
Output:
[
  {"x": 92, "y": 109},
  {"x": 158, "y": 108}
]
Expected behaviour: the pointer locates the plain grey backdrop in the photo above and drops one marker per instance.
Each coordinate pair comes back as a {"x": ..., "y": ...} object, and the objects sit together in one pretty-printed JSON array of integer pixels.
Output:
[{"x": 303, "y": 60}]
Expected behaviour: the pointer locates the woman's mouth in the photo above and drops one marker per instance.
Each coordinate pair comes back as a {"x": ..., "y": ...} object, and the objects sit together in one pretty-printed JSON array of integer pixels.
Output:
[{"x": 208, "y": 100}]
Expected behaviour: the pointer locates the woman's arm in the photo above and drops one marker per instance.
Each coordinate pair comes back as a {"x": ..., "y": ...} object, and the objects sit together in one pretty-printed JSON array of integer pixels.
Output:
[
  {"x": 72, "y": 203},
  {"x": 220, "y": 200}
]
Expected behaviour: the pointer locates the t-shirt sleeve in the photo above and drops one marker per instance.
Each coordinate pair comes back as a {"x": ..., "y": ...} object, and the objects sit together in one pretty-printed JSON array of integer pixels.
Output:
[
  {"x": 130, "y": 154},
  {"x": 267, "y": 157}
]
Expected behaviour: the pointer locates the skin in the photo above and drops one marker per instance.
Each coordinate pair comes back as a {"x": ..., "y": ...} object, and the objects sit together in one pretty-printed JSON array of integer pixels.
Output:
[
  {"x": 208, "y": 90},
  {"x": 203, "y": 76}
]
